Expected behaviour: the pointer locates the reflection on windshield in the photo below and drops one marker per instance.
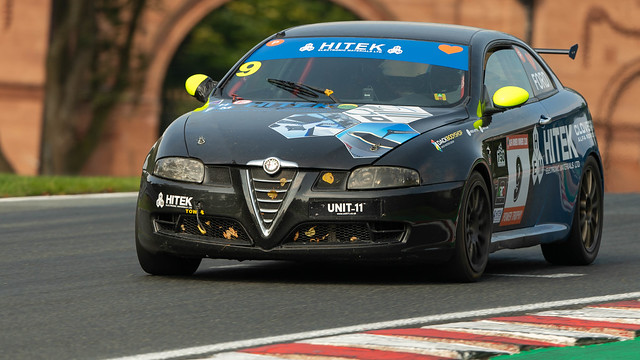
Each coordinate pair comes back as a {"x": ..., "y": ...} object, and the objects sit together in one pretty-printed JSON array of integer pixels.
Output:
[{"x": 351, "y": 80}]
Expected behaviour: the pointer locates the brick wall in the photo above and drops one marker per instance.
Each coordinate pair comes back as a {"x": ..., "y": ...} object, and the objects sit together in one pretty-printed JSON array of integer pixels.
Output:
[{"x": 24, "y": 30}]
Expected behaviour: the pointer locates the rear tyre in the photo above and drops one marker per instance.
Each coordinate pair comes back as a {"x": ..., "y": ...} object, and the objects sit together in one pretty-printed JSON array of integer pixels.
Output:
[
  {"x": 165, "y": 264},
  {"x": 473, "y": 232},
  {"x": 582, "y": 245}
]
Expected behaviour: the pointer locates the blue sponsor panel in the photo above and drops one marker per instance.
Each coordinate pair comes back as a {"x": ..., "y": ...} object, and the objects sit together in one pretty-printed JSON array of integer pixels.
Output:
[{"x": 424, "y": 52}]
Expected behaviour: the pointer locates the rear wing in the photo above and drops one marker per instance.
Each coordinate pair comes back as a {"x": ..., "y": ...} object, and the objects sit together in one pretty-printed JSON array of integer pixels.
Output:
[{"x": 571, "y": 51}]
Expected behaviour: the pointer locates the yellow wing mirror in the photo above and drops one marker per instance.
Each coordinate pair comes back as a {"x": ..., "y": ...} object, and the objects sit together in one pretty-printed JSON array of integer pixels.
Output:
[
  {"x": 199, "y": 86},
  {"x": 505, "y": 98},
  {"x": 510, "y": 96}
]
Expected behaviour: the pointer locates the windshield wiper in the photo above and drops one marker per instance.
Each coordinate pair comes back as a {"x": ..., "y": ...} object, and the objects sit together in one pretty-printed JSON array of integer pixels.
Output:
[{"x": 302, "y": 90}]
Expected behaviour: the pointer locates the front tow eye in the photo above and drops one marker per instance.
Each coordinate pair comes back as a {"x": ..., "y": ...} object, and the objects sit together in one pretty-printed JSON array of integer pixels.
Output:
[{"x": 200, "y": 226}]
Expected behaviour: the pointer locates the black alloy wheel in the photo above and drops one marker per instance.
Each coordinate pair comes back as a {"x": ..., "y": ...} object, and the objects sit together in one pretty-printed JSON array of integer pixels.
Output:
[
  {"x": 473, "y": 232},
  {"x": 590, "y": 212},
  {"x": 582, "y": 245}
]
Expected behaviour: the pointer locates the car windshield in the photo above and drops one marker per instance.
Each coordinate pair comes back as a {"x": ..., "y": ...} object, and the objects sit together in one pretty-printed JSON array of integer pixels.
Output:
[{"x": 353, "y": 70}]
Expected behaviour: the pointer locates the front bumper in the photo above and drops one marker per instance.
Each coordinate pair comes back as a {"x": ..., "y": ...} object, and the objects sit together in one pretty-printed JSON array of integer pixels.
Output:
[{"x": 202, "y": 220}]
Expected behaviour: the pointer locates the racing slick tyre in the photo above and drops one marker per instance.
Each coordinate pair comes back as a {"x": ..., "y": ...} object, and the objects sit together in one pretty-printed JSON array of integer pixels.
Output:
[
  {"x": 473, "y": 232},
  {"x": 165, "y": 264},
  {"x": 582, "y": 245}
]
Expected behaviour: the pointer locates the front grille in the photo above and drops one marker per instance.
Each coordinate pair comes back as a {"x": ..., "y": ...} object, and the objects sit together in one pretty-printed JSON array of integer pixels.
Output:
[
  {"x": 346, "y": 233},
  {"x": 268, "y": 193},
  {"x": 212, "y": 227}
]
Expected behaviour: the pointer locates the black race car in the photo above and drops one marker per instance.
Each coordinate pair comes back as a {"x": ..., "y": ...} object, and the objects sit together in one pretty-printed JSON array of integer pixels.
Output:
[{"x": 376, "y": 141}]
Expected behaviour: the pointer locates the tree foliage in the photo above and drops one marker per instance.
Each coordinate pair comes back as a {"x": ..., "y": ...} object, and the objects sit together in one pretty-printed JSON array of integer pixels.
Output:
[
  {"x": 529, "y": 8},
  {"x": 92, "y": 66},
  {"x": 89, "y": 68},
  {"x": 221, "y": 38}
]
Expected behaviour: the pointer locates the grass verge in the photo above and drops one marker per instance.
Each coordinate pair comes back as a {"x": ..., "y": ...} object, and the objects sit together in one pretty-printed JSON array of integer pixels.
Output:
[
  {"x": 18, "y": 185},
  {"x": 629, "y": 349}
]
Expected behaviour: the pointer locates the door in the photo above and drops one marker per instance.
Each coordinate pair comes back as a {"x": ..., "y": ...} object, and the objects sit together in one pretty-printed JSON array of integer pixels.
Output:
[{"x": 510, "y": 146}]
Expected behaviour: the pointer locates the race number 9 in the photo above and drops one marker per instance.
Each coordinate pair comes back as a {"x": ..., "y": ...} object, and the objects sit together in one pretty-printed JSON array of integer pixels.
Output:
[{"x": 249, "y": 68}]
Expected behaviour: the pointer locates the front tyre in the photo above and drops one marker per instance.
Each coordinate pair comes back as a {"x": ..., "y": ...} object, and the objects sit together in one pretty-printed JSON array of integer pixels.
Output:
[
  {"x": 473, "y": 232},
  {"x": 583, "y": 243},
  {"x": 165, "y": 264}
]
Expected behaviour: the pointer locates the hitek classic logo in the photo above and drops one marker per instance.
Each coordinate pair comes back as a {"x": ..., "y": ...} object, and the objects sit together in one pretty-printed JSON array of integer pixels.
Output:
[{"x": 175, "y": 201}]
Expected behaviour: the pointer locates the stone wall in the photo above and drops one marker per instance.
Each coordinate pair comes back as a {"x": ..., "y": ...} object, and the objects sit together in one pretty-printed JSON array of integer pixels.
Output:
[{"x": 606, "y": 71}]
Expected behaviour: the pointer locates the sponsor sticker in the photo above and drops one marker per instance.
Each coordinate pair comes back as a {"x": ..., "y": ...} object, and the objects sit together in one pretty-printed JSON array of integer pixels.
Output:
[
  {"x": 512, "y": 216},
  {"x": 174, "y": 201},
  {"x": 554, "y": 149},
  {"x": 445, "y": 141},
  {"x": 450, "y": 49},
  {"x": 558, "y": 144},
  {"x": 275, "y": 42},
  {"x": 480, "y": 129},
  {"x": 584, "y": 131},
  {"x": 500, "y": 156},
  {"x": 497, "y": 215},
  {"x": 541, "y": 80},
  {"x": 501, "y": 190}
]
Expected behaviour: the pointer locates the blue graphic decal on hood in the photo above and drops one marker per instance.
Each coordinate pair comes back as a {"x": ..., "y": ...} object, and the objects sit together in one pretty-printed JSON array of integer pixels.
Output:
[
  {"x": 314, "y": 124},
  {"x": 367, "y": 131},
  {"x": 375, "y": 139}
]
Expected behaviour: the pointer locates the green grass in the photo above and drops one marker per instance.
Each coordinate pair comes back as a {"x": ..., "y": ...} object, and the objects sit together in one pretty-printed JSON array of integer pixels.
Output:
[
  {"x": 18, "y": 185},
  {"x": 629, "y": 349}
]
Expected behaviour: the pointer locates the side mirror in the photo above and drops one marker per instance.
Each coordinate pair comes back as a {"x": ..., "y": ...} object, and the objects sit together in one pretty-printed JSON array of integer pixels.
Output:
[
  {"x": 199, "y": 86},
  {"x": 505, "y": 98},
  {"x": 509, "y": 97}
]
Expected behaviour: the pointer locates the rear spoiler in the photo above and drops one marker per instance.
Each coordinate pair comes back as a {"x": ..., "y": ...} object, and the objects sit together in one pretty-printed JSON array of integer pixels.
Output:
[{"x": 571, "y": 51}]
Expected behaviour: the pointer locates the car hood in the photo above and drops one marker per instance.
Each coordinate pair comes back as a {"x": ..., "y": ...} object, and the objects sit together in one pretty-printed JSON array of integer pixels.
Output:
[{"x": 312, "y": 135}]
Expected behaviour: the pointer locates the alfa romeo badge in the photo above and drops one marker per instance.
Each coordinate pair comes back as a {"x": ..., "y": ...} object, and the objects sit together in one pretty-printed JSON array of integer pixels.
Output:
[{"x": 271, "y": 165}]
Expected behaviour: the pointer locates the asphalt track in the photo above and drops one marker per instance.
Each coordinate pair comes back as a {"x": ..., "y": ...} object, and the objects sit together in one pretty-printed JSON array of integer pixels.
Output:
[{"x": 71, "y": 288}]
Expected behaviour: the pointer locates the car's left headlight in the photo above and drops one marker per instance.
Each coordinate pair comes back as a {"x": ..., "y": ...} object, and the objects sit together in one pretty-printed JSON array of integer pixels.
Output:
[
  {"x": 380, "y": 177},
  {"x": 181, "y": 169}
]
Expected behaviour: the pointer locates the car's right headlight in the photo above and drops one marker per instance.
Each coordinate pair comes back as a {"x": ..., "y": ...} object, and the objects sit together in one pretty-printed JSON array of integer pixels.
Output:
[
  {"x": 380, "y": 177},
  {"x": 180, "y": 169}
]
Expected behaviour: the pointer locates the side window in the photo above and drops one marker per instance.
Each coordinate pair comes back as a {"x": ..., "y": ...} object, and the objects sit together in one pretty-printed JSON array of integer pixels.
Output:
[
  {"x": 504, "y": 68},
  {"x": 538, "y": 77}
]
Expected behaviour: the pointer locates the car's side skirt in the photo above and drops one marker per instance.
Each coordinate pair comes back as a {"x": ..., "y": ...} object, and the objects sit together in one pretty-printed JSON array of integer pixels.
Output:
[{"x": 531, "y": 236}]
